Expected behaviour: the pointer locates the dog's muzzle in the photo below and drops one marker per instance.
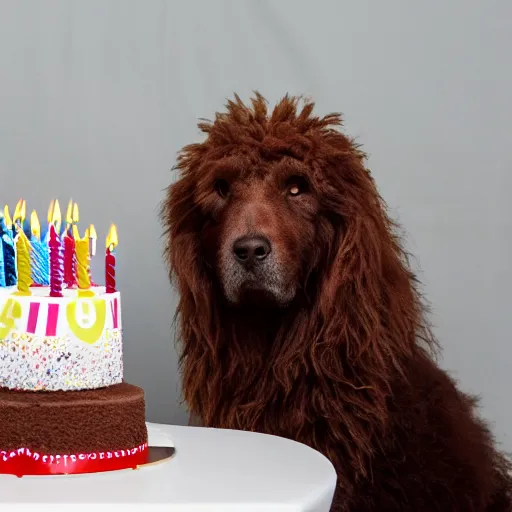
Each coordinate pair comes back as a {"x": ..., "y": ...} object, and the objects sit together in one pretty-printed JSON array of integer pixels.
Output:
[{"x": 249, "y": 270}]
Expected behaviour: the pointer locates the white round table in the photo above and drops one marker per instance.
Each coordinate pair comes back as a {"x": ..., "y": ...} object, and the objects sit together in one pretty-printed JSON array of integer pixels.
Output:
[{"x": 212, "y": 470}]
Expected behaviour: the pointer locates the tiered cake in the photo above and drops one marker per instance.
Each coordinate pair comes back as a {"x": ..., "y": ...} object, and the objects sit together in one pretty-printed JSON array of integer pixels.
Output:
[{"x": 64, "y": 407}]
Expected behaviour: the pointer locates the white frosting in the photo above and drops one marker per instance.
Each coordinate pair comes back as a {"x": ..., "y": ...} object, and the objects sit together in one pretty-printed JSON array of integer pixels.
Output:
[{"x": 66, "y": 343}]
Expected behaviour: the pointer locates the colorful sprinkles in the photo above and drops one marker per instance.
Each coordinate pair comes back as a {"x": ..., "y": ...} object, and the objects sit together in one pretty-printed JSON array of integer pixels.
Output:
[{"x": 37, "y": 363}]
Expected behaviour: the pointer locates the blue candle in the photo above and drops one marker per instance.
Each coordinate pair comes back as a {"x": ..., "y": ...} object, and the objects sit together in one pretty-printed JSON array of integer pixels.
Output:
[
  {"x": 40, "y": 263},
  {"x": 9, "y": 254},
  {"x": 2, "y": 271},
  {"x": 39, "y": 258}
]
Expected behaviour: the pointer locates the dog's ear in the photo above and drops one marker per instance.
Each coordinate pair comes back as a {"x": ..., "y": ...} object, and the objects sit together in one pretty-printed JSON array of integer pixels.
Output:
[
  {"x": 196, "y": 310},
  {"x": 182, "y": 219},
  {"x": 367, "y": 277}
]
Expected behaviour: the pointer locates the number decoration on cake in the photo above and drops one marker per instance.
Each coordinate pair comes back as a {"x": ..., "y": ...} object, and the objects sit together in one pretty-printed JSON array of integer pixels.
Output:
[
  {"x": 78, "y": 314},
  {"x": 9, "y": 313}
]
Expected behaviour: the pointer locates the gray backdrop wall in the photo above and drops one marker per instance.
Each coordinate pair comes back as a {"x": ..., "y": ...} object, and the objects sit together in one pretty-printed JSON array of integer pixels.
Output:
[{"x": 97, "y": 96}]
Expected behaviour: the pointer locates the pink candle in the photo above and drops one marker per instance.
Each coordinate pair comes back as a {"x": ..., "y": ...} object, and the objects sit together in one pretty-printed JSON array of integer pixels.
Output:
[
  {"x": 110, "y": 271},
  {"x": 56, "y": 263},
  {"x": 69, "y": 261},
  {"x": 110, "y": 260}
]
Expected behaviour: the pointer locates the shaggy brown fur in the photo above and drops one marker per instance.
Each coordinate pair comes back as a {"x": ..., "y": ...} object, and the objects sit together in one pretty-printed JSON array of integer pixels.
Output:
[{"x": 332, "y": 350}]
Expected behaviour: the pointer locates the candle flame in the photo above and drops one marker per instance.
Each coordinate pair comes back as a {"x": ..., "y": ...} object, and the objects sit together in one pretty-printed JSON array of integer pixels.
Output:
[
  {"x": 91, "y": 234},
  {"x": 35, "y": 226},
  {"x": 50, "y": 211},
  {"x": 69, "y": 212},
  {"x": 56, "y": 216},
  {"x": 75, "y": 216},
  {"x": 112, "y": 240},
  {"x": 20, "y": 211},
  {"x": 76, "y": 234},
  {"x": 7, "y": 217}
]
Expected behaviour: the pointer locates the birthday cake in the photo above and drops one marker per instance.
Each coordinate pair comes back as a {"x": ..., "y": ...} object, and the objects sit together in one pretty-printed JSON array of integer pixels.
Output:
[{"x": 64, "y": 407}]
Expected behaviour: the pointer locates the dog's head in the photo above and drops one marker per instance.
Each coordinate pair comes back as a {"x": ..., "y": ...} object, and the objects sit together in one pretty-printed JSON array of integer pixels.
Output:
[
  {"x": 271, "y": 203},
  {"x": 260, "y": 227}
]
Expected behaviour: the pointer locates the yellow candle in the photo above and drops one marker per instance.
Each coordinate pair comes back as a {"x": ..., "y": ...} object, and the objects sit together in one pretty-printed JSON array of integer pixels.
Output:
[
  {"x": 23, "y": 264},
  {"x": 83, "y": 263}
]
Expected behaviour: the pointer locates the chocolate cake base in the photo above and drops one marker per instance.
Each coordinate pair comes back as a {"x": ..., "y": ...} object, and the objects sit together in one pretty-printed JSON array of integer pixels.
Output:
[{"x": 73, "y": 422}]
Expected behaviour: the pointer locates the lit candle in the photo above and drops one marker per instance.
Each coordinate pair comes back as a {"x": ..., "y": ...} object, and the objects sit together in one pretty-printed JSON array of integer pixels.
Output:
[
  {"x": 23, "y": 261},
  {"x": 110, "y": 260},
  {"x": 83, "y": 260},
  {"x": 45, "y": 241},
  {"x": 69, "y": 215},
  {"x": 69, "y": 261},
  {"x": 69, "y": 249},
  {"x": 56, "y": 216},
  {"x": 56, "y": 259},
  {"x": 75, "y": 217},
  {"x": 2, "y": 271},
  {"x": 46, "y": 238},
  {"x": 8, "y": 248},
  {"x": 18, "y": 216},
  {"x": 39, "y": 254},
  {"x": 23, "y": 214},
  {"x": 92, "y": 239},
  {"x": 91, "y": 234},
  {"x": 17, "y": 222}
]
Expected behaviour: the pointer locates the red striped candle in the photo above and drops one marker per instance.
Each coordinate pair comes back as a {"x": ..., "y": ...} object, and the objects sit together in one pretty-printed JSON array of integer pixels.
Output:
[
  {"x": 56, "y": 263},
  {"x": 69, "y": 261}
]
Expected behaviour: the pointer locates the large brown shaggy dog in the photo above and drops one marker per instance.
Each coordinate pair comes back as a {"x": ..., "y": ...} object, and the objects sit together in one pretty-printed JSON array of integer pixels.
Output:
[{"x": 300, "y": 317}]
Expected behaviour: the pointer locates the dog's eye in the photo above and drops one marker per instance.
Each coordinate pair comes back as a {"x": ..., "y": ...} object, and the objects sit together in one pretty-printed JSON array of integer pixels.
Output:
[
  {"x": 296, "y": 186},
  {"x": 222, "y": 188}
]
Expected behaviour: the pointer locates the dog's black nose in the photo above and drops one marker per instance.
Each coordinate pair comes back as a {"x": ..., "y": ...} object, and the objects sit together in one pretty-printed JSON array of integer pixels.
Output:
[{"x": 249, "y": 250}]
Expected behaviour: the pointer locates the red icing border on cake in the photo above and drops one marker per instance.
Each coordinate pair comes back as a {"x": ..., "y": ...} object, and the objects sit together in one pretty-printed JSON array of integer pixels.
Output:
[{"x": 24, "y": 462}]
